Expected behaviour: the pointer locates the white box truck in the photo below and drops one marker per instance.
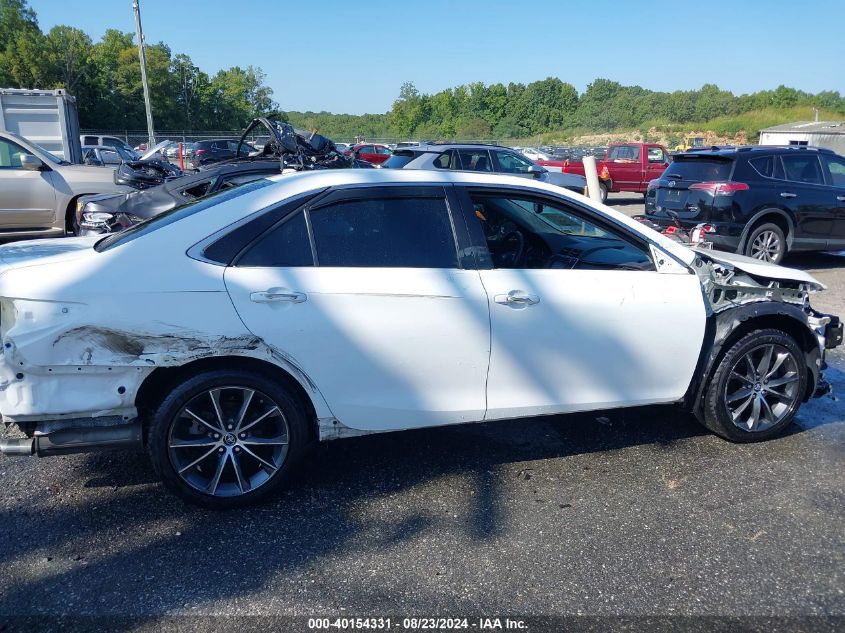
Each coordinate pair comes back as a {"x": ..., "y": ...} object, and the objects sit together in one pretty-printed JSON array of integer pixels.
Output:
[{"x": 47, "y": 118}]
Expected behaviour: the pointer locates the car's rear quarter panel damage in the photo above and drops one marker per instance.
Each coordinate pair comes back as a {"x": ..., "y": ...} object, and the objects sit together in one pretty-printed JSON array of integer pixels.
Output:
[{"x": 63, "y": 361}]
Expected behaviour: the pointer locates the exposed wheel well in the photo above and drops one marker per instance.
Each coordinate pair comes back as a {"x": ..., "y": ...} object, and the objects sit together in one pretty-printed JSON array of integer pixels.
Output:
[
  {"x": 70, "y": 212},
  {"x": 155, "y": 387},
  {"x": 789, "y": 325}
]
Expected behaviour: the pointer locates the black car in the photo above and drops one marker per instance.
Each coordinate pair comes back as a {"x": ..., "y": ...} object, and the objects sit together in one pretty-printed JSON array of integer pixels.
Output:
[
  {"x": 216, "y": 150},
  {"x": 760, "y": 201},
  {"x": 109, "y": 213}
]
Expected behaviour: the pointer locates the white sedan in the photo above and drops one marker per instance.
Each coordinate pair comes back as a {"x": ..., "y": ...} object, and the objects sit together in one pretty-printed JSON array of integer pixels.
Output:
[{"x": 227, "y": 334}]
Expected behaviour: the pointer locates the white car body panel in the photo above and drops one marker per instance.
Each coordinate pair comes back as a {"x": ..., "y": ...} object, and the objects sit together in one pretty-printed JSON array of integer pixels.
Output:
[
  {"x": 596, "y": 339},
  {"x": 390, "y": 347}
]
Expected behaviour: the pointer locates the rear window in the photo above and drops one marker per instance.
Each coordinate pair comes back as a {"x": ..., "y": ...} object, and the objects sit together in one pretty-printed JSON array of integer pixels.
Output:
[
  {"x": 699, "y": 170},
  {"x": 398, "y": 161},
  {"x": 176, "y": 214}
]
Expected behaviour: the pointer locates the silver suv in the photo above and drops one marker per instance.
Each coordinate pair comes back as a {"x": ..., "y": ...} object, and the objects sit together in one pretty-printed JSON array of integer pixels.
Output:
[
  {"x": 38, "y": 191},
  {"x": 479, "y": 157}
]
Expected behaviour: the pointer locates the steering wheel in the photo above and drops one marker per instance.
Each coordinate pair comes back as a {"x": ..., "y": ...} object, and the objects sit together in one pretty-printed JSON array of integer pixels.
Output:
[
  {"x": 514, "y": 243},
  {"x": 592, "y": 250}
]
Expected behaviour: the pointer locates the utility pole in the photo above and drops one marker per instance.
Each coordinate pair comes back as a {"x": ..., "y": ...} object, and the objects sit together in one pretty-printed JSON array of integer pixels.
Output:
[{"x": 142, "y": 53}]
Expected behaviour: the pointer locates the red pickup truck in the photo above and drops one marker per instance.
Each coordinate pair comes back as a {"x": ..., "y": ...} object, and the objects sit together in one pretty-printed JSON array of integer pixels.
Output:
[{"x": 626, "y": 167}]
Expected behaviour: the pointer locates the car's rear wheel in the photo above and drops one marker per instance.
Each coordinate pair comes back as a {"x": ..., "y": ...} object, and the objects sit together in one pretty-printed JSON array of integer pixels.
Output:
[
  {"x": 603, "y": 190},
  {"x": 757, "y": 387},
  {"x": 766, "y": 243},
  {"x": 226, "y": 439}
]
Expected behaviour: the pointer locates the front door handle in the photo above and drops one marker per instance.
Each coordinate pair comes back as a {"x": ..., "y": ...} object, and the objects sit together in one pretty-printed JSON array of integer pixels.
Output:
[
  {"x": 276, "y": 295},
  {"x": 517, "y": 298},
  {"x": 787, "y": 194}
]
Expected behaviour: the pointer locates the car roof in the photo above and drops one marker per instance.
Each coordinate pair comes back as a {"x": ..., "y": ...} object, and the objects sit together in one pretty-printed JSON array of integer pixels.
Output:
[
  {"x": 442, "y": 147},
  {"x": 734, "y": 152}
]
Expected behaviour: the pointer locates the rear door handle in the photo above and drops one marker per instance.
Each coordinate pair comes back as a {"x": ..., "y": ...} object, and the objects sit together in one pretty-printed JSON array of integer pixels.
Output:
[
  {"x": 517, "y": 298},
  {"x": 787, "y": 194},
  {"x": 277, "y": 295}
]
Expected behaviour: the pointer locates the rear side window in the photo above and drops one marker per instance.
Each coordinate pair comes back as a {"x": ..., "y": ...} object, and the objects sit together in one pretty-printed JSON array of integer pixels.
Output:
[
  {"x": 385, "y": 233},
  {"x": 284, "y": 246},
  {"x": 447, "y": 160},
  {"x": 475, "y": 160},
  {"x": 836, "y": 168},
  {"x": 803, "y": 168},
  {"x": 699, "y": 170},
  {"x": 398, "y": 161},
  {"x": 624, "y": 154}
]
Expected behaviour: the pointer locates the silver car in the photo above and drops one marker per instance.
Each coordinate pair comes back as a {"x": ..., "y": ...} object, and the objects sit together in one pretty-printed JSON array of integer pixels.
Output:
[
  {"x": 482, "y": 158},
  {"x": 38, "y": 191}
]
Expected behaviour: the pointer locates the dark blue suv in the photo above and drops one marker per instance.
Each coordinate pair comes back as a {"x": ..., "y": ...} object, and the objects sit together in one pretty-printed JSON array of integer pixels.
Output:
[{"x": 760, "y": 201}]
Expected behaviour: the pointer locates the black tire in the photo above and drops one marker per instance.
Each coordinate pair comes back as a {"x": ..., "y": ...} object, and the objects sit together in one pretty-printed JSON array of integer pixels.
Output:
[
  {"x": 169, "y": 418},
  {"x": 716, "y": 414},
  {"x": 603, "y": 191},
  {"x": 767, "y": 243}
]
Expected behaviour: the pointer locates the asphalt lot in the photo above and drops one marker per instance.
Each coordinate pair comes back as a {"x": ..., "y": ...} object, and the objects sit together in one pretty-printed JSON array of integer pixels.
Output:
[{"x": 635, "y": 513}]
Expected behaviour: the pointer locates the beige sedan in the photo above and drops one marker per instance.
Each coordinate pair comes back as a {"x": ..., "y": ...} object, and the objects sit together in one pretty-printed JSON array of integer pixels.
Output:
[{"x": 38, "y": 191}]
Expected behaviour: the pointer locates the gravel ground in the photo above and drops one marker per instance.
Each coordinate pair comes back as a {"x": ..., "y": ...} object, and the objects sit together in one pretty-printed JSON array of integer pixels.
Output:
[{"x": 635, "y": 513}]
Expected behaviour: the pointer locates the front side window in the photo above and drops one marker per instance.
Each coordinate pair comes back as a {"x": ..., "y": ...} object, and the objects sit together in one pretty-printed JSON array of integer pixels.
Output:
[
  {"x": 385, "y": 233},
  {"x": 10, "y": 155},
  {"x": 803, "y": 168},
  {"x": 284, "y": 246},
  {"x": 527, "y": 233},
  {"x": 512, "y": 164},
  {"x": 109, "y": 157}
]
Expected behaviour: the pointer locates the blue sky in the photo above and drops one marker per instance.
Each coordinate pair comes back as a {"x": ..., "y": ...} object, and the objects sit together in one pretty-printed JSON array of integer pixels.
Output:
[{"x": 349, "y": 56}]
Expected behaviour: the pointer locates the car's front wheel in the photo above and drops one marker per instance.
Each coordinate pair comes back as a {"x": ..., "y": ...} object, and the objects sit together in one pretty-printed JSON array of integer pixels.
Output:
[
  {"x": 226, "y": 439},
  {"x": 756, "y": 388}
]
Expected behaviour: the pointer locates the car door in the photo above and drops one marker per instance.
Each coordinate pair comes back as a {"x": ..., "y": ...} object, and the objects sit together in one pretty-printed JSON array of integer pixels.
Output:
[
  {"x": 367, "y": 153},
  {"x": 580, "y": 319},
  {"x": 367, "y": 292},
  {"x": 809, "y": 198},
  {"x": 834, "y": 167},
  {"x": 27, "y": 198},
  {"x": 626, "y": 168}
]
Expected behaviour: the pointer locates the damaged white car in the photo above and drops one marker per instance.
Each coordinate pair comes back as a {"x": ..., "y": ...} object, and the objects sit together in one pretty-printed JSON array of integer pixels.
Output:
[{"x": 330, "y": 304}]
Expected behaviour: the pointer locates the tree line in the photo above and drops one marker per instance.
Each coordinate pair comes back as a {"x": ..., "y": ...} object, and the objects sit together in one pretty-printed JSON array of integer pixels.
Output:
[{"x": 105, "y": 77}]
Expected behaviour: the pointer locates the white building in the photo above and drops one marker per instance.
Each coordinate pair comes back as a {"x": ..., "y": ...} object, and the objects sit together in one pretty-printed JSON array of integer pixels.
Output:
[{"x": 829, "y": 134}]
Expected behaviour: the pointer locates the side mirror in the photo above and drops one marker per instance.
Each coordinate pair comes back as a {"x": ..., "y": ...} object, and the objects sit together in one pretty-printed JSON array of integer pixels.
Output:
[
  {"x": 31, "y": 163},
  {"x": 536, "y": 170}
]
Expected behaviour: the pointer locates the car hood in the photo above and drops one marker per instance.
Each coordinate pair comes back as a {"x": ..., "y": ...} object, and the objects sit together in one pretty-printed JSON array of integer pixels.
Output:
[
  {"x": 564, "y": 180},
  {"x": 757, "y": 268}
]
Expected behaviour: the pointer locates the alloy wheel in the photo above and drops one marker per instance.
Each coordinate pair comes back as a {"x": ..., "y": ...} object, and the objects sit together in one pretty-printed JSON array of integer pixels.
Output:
[
  {"x": 762, "y": 388},
  {"x": 766, "y": 246},
  {"x": 228, "y": 441}
]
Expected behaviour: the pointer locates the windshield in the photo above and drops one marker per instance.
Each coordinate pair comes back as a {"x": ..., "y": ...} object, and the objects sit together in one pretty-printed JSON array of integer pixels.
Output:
[
  {"x": 48, "y": 155},
  {"x": 176, "y": 214},
  {"x": 699, "y": 169}
]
